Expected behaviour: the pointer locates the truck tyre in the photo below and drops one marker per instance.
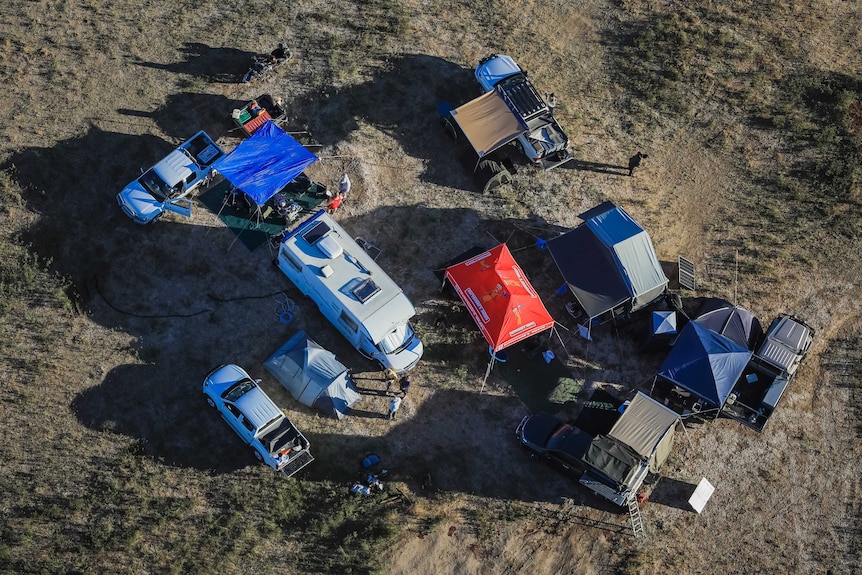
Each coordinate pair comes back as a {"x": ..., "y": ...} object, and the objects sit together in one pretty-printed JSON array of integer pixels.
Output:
[
  {"x": 491, "y": 174},
  {"x": 210, "y": 402},
  {"x": 257, "y": 455},
  {"x": 450, "y": 129}
]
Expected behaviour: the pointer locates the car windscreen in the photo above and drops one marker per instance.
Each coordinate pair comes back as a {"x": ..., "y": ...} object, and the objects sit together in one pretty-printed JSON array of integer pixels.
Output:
[
  {"x": 398, "y": 339},
  {"x": 237, "y": 390},
  {"x": 152, "y": 183}
]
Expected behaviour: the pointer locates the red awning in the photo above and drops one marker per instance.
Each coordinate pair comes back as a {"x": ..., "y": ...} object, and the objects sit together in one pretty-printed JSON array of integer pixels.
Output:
[{"x": 499, "y": 297}]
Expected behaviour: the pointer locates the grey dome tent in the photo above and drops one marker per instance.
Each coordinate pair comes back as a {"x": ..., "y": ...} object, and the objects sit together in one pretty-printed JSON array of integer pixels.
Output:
[
  {"x": 731, "y": 321},
  {"x": 313, "y": 376},
  {"x": 609, "y": 263}
]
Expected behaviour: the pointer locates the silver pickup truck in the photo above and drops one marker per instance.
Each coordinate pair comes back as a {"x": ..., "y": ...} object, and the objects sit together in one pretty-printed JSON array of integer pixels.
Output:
[
  {"x": 768, "y": 374},
  {"x": 241, "y": 402}
]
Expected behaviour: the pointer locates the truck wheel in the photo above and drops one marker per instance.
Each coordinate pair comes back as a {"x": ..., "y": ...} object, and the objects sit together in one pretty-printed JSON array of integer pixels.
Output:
[
  {"x": 450, "y": 129},
  {"x": 210, "y": 402},
  {"x": 257, "y": 455}
]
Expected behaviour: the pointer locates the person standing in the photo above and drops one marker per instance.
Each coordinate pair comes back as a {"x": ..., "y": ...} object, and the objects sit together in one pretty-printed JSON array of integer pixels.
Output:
[
  {"x": 389, "y": 376},
  {"x": 404, "y": 385},
  {"x": 344, "y": 185},
  {"x": 635, "y": 162},
  {"x": 334, "y": 203},
  {"x": 394, "y": 404}
]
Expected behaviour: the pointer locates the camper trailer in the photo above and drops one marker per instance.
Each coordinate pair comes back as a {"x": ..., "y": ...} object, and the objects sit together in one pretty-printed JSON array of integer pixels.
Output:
[{"x": 351, "y": 291}]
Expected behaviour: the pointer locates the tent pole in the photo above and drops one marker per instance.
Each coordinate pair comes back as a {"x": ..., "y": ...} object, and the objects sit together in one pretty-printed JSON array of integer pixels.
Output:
[
  {"x": 559, "y": 337},
  {"x": 220, "y": 210},
  {"x": 238, "y": 235},
  {"x": 488, "y": 370}
]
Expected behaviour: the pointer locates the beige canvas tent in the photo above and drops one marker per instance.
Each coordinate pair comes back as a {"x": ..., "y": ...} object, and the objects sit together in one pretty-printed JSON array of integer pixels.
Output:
[
  {"x": 487, "y": 122},
  {"x": 648, "y": 427}
]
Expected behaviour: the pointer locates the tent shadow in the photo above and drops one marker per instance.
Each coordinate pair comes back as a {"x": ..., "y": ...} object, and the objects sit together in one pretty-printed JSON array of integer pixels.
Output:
[
  {"x": 672, "y": 493},
  {"x": 539, "y": 384},
  {"x": 470, "y": 450}
]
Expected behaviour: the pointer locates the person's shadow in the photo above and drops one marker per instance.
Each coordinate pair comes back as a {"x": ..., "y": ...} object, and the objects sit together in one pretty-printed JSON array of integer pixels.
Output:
[{"x": 598, "y": 167}]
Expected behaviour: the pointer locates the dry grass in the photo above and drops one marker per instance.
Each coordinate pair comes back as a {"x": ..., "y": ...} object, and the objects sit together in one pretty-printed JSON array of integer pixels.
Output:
[{"x": 751, "y": 118}]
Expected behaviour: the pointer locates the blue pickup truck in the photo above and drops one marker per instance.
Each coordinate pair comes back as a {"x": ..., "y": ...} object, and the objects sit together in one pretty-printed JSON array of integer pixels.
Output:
[{"x": 164, "y": 187}]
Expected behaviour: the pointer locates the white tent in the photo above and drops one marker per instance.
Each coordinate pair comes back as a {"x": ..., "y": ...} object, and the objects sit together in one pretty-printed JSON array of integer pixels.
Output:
[{"x": 313, "y": 375}]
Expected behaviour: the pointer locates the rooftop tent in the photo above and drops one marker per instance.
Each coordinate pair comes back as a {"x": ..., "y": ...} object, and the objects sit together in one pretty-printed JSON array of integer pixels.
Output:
[
  {"x": 313, "y": 375},
  {"x": 616, "y": 460},
  {"x": 705, "y": 363},
  {"x": 731, "y": 321},
  {"x": 609, "y": 261},
  {"x": 487, "y": 122},
  {"x": 264, "y": 163},
  {"x": 647, "y": 427},
  {"x": 498, "y": 295}
]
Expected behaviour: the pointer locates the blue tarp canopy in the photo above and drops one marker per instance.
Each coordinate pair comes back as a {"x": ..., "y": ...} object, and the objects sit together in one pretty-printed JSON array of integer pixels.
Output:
[
  {"x": 705, "y": 363},
  {"x": 266, "y": 162},
  {"x": 609, "y": 261}
]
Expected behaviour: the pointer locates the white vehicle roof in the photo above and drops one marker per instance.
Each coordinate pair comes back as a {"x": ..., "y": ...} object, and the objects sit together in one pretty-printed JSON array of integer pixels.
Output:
[
  {"x": 786, "y": 341},
  {"x": 175, "y": 168},
  {"x": 258, "y": 407},
  {"x": 350, "y": 275}
]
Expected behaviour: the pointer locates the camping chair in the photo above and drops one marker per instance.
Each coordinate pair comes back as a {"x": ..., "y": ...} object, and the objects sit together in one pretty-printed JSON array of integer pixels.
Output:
[{"x": 370, "y": 249}]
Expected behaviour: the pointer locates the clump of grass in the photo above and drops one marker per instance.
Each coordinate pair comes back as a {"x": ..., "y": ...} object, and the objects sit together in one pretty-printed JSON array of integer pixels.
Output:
[
  {"x": 822, "y": 113},
  {"x": 659, "y": 60}
]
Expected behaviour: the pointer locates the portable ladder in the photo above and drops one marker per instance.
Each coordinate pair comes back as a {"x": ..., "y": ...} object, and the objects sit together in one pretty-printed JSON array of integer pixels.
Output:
[{"x": 635, "y": 515}]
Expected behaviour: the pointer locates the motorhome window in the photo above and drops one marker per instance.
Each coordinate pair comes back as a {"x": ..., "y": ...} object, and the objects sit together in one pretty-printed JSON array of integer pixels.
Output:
[
  {"x": 365, "y": 290},
  {"x": 291, "y": 260},
  {"x": 313, "y": 235},
  {"x": 348, "y": 321}
]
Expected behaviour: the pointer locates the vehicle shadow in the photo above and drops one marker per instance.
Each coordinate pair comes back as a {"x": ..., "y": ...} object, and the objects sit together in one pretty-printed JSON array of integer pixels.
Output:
[
  {"x": 147, "y": 403},
  {"x": 465, "y": 441},
  {"x": 225, "y": 65},
  {"x": 186, "y": 113}
]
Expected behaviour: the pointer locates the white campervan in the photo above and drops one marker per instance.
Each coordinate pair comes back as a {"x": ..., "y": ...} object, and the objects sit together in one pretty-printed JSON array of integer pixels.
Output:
[{"x": 352, "y": 291}]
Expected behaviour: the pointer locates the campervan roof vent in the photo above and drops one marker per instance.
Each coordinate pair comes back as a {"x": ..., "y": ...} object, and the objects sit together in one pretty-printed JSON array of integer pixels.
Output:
[
  {"x": 327, "y": 271},
  {"x": 329, "y": 247},
  {"x": 365, "y": 290}
]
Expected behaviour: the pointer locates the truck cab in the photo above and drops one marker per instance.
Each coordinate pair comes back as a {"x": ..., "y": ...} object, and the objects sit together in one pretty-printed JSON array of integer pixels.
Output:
[{"x": 164, "y": 187}]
